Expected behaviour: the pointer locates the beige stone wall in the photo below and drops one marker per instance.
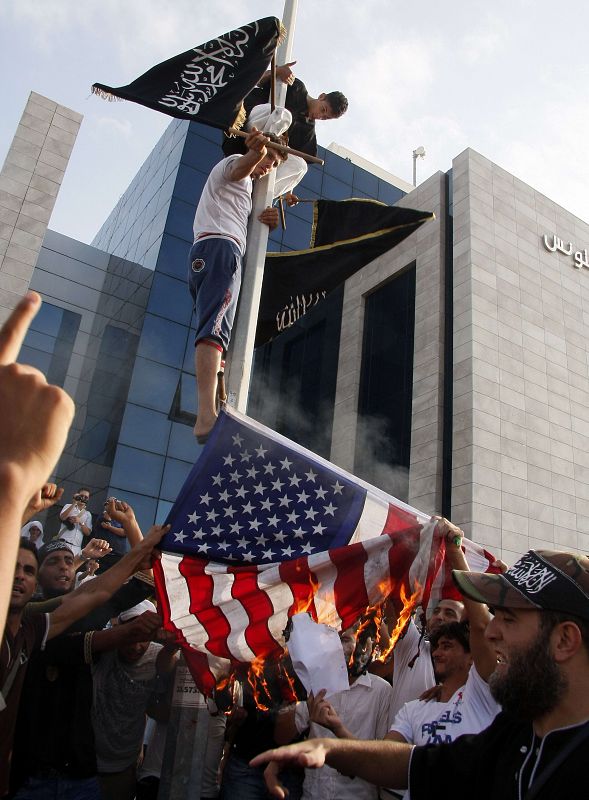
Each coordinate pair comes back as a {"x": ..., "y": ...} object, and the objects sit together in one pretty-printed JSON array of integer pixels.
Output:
[
  {"x": 521, "y": 374},
  {"x": 29, "y": 182},
  {"x": 426, "y": 248}
]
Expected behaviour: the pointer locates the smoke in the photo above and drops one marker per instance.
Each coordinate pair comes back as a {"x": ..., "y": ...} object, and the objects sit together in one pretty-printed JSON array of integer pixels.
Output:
[{"x": 375, "y": 457}]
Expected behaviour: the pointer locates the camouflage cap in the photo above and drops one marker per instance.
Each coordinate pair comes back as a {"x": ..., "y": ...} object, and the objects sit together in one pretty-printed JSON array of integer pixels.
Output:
[{"x": 542, "y": 579}]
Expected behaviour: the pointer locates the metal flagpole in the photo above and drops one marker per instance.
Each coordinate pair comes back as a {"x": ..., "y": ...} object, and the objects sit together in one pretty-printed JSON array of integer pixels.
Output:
[{"x": 244, "y": 329}]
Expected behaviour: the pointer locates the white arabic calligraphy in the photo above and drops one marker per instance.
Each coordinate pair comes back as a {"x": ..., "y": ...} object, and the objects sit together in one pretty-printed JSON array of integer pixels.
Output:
[
  {"x": 296, "y": 308},
  {"x": 558, "y": 244},
  {"x": 208, "y": 72},
  {"x": 532, "y": 575}
]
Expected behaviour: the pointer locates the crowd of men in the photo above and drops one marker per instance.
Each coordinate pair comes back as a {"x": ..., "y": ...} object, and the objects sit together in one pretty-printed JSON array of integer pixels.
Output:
[{"x": 486, "y": 695}]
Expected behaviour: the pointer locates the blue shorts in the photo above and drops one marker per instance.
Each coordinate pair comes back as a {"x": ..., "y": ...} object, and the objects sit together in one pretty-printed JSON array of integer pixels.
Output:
[{"x": 214, "y": 280}]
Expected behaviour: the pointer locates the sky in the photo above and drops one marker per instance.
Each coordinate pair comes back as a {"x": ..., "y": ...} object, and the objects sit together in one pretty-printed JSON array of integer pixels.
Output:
[{"x": 507, "y": 78}]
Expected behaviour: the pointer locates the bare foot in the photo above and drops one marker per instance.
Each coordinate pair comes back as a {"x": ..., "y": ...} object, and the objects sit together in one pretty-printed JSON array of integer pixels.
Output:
[{"x": 204, "y": 426}]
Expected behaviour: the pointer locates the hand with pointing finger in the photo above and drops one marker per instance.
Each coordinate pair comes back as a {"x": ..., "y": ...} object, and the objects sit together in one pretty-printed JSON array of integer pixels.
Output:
[
  {"x": 34, "y": 424},
  {"x": 36, "y": 416}
]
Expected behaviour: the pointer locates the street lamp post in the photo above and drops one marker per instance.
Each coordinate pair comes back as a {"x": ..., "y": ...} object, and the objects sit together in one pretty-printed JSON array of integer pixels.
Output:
[{"x": 419, "y": 152}]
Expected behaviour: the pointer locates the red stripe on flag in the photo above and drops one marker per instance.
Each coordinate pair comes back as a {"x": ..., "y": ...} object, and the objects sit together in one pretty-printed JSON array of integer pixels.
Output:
[
  {"x": 198, "y": 662},
  {"x": 163, "y": 604},
  {"x": 200, "y": 586},
  {"x": 349, "y": 589},
  {"x": 303, "y": 584},
  {"x": 259, "y": 609},
  {"x": 399, "y": 520}
]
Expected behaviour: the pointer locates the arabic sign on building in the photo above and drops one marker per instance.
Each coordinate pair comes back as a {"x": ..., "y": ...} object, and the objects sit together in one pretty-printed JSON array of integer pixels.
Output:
[{"x": 580, "y": 257}]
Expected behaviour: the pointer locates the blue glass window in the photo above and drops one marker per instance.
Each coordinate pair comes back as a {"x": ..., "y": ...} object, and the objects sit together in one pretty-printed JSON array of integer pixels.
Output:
[
  {"x": 137, "y": 471},
  {"x": 145, "y": 428},
  {"x": 163, "y": 340}
]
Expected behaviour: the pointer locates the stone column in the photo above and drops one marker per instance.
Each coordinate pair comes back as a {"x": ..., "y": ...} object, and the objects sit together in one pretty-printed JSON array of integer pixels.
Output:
[{"x": 29, "y": 182}]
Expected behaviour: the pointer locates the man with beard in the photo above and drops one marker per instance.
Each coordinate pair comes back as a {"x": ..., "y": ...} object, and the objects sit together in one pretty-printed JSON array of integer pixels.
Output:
[{"x": 539, "y": 745}]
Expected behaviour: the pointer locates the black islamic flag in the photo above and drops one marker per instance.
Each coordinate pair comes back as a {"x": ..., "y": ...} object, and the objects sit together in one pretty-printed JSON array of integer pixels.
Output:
[
  {"x": 209, "y": 82},
  {"x": 346, "y": 236}
]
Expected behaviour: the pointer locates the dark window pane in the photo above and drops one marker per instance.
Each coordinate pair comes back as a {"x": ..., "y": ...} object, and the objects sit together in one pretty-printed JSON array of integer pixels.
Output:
[{"x": 383, "y": 441}]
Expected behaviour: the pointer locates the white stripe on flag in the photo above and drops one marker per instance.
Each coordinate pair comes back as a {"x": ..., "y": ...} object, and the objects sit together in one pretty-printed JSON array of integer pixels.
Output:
[
  {"x": 179, "y": 602},
  {"x": 232, "y": 610},
  {"x": 326, "y": 572},
  {"x": 372, "y": 519},
  {"x": 281, "y": 597}
]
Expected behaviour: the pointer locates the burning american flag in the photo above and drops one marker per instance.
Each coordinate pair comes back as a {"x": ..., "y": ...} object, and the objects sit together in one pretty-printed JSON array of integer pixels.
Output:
[{"x": 263, "y": 529}]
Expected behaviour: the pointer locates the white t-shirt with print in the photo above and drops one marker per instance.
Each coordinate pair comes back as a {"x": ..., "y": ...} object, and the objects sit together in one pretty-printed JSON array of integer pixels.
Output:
[{"x": 471, "y": 709}]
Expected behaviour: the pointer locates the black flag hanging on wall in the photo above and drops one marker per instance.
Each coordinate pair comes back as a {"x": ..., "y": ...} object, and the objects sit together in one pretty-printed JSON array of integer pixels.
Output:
[
  {"x": 207, "y": 83},
  {"x": 346, "y": 236}
]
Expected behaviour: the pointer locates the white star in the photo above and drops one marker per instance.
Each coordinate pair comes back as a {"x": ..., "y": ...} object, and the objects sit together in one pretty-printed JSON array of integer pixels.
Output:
[
  {"x": 260, "y": 451},
  {"x": 268, "y": 554},
  {"x": 259, "y": 488},
  {"x": 229, "y": 512},
  {"x": 245, "y": 456},
  {"x": 319, "y": 528},
  {"x": 180, "y": 536},
  {"x": 267, "y": 504},
  {"x": 242, "y": 542},
  {"x": 292, "y": 517},
  {"x": 273, "y": 521},
  {"x": 192, "y": 518},
  {"x": 224, "y": 496},
  {"x": 212, "y": 515},
  {"x": 247, "y": 556},
  {"x": 223, "y": 545},
  {"x": 269, "y": 468},
  {"x": 248, "y": 508},
  {"x": 234, "y": 476},
  {"x": 252, "y": 472},
  {"x": 235, "y": 528},
  {"x": 303, "y": 496},
  {"x": 228, "y": 460},
  {"x": 330, "y": 509},
  {"x": 261, "y": 539},
  {"x": 337, "y": 488},
  {"x": 286, "y": 463},
  {"x": 277, "y": 484},
  {"x": 306, "y": 548},
  {"x": 217, "y": 530},
  {"x": 280, "y": 536},
  {"x": 320, "y": 493},
  {"x": 218, "y": 479},
  {"x": 294, "y": 480},
  {"x": 205, "y": 499},
  {"x": 237, "y": 440},
  {"x": 310, "y": 513},
  {"x": 203, "y": 547},
  {"x": 298, "y": 533},
  {"x": 311, "y": 475},
  {"x": 254, "y": 524},
  {"x": 241, "y": 492},
  {"x": 287, "y": 551},
  {"x": 285, "y": 500},
  {"x": 199, "y": 534}
]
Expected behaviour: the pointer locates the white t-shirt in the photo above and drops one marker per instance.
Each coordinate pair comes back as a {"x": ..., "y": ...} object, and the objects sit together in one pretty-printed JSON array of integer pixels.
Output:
[
  {"x": 471, "y": 709},
  {"x": 365, "y": 709},
  {"x": 224, "y": 206},
  {"x": 75, "y": 536},
  {"x": 410, "y": 682}
]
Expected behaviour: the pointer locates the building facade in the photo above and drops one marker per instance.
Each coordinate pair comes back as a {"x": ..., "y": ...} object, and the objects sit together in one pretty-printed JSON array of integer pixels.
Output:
[{"x": 451, "y": 371}]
